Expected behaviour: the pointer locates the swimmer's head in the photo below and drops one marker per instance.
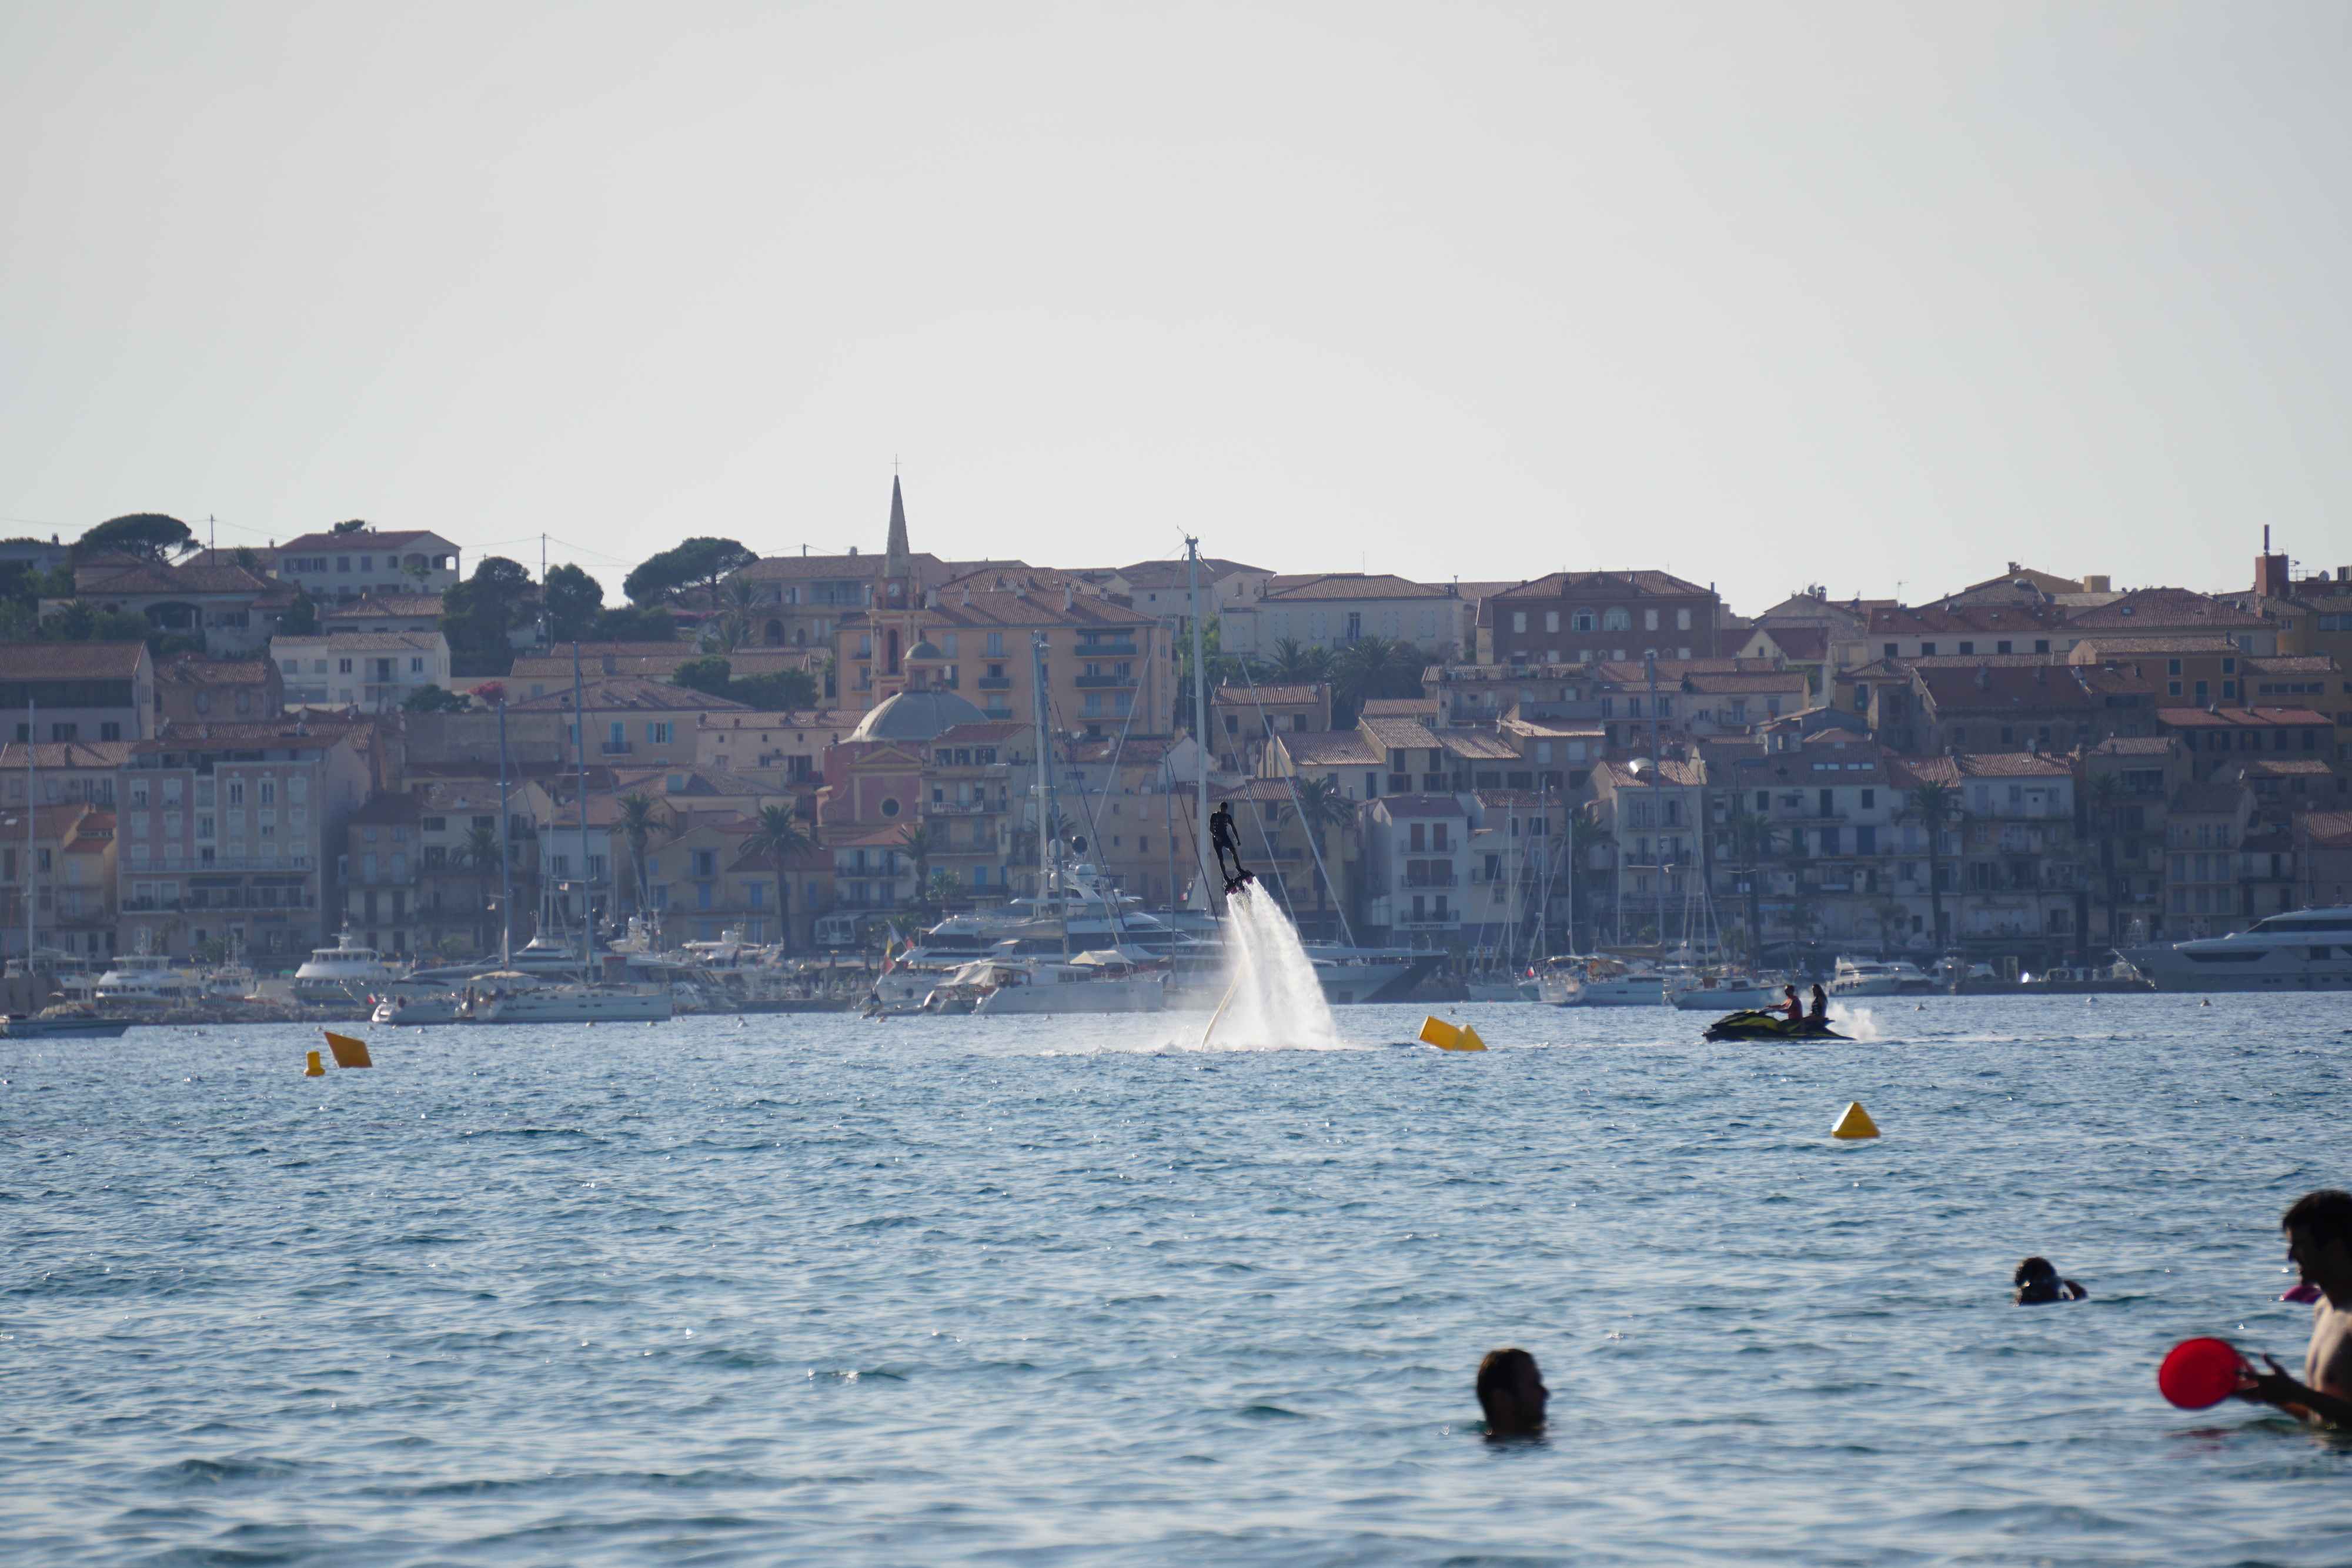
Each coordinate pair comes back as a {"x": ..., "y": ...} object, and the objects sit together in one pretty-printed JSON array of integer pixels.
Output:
[
  {"x": 2033, "y": 1268},
  {"x": 2319, "y": 1239},
  {"x": 1512, "y": 1393}
]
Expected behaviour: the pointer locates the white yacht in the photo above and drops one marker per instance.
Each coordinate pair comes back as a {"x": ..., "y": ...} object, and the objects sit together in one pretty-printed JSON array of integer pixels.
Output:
[
  {"x": 2303, "y": 950},
  {"x": 1574, "y": 982},
  {"x": 147, "y": 980},
  {"x": 1726, "y": 993},
  {"x": 1104, "y": 982},
  {"x": 343, "y": 973},
  {"x": 1863, "y": 977}
]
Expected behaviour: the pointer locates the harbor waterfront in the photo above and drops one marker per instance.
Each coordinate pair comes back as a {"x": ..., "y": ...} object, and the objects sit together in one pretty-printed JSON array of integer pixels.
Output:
[{"x": 1065, "y": 1290}]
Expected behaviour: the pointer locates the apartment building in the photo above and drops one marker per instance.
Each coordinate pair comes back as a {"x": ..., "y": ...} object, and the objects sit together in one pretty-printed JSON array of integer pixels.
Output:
[
  {"x": 1331, "y": 609},
  {"x": 374, "y": 671},
  {"x": 79, "y": 691},
  {"x": 62, "y": 862},
  {"x": 1590, "y": 617},
  {"x": 233, "y": 609},
  {"x": 369, "y": 563},
  {"x": 193, "y": 690}
]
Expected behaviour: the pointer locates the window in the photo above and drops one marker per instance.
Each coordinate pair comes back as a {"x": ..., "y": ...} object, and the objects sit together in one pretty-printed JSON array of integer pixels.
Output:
[
  {"x": 1551, "y": 619},
  {"x": 1519, "y": 619},
  {"x": 1926, "y": 650},
  {"x": 1681, "y": 620},
  {"x": 996, "y": 649},
  {"x": 1968, "y": 647},
  {"x": 1616, "y": 619},
  {"x": 1649, "y": 620},
  {"x": 416, "y": 665},
  {"x": 343, "y": 666},
  {"x": 109, "y": 731}
]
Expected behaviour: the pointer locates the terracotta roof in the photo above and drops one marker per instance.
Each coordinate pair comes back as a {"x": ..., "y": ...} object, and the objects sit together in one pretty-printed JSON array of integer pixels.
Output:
[
  {"x": 1804, "y": 642},
  {"x": 190, "y": 671},
  {"x": 1343, "y": 585},
  {"x": 1242, "y": 696},
  {"x": 2291, "y": 665},
  {"x": 2284, "y": 768},
  {"x": 797, "y": 719},
  {"x": 1398, "y": 734},
  {"x": 1330, "y": 748},
  {"x": 1632, "y": 672},
  {"x": 1980, "y": 765},
  {"x": 150, "y": 578},
  {"x": 1400, "y": 707},
  {"x": 1628, "y": 584},
  {"x": 1506, "y": 799},
  {"x": 1172, "y": 573},
  {"x": 1421, "y": 805},
  {"x": 1932, "y": 620},
  {"x": 988, "y": 609},
  {"x": 2164, "y": 606},
  {"x": 405, "y": 605},
  {"x": 363, "y": 539},
  {"x": 995, "y": 734},
  {"x": 2330, "y": 827},
  {"x": 1553, "y": 729},
  {"x": 351, "y": 641},
  {"x": 68, "y": 755},
  {"x": 1671, "y": 772},
  {"x": 1476, "y": 746},
  {"x": 2239, "y": 718},
  {"x": 614, "y": 694},
  {"x": 2006, "y": 689},
  {"x": 2136, "y": 746},
  {"x": 71, "y": 661},
  {"x": 2091, "y": 650}
]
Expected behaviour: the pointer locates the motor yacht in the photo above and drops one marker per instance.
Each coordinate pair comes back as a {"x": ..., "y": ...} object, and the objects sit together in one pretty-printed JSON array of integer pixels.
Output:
[
  {"x": 147, "y": 980},
  {"x": 1726, "y": 993},
  {"x": 343, "y": 973},
  {"x": 1576, "y": 982},
  {"x": 2302, "y": 950},
  {"x": 1102, "y": 982},
  {"x": 1865, "y": 977}
]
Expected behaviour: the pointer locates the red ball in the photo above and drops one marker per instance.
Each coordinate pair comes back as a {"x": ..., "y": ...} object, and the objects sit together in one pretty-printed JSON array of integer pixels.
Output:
[{"x": 2198, "y": 1374}]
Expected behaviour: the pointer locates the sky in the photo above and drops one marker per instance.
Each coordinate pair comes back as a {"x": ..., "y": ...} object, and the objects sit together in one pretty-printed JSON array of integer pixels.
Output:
[{"x": 1875, "y": 297}]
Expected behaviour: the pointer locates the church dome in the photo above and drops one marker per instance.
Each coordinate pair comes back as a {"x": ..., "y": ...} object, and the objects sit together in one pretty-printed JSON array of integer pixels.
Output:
[
  {"x": 915, "y": 716},
  {"x": 923, "y": 652}
]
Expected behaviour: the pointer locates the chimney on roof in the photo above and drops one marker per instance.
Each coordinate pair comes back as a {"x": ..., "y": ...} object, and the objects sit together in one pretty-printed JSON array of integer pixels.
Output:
[
  {"x": 930, "y": 598},
  {"x": 967, "y": 595},
  {"x": 1069, "y": 597}
]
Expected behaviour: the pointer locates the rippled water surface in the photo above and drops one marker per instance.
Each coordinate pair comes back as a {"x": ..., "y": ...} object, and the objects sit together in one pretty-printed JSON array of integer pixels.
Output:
[{"x": 1016, "y": 1290}]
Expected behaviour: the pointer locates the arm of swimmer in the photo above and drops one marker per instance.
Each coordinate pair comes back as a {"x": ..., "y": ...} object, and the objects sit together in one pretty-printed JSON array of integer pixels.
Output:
[{"x": 2277, "y": 1387}]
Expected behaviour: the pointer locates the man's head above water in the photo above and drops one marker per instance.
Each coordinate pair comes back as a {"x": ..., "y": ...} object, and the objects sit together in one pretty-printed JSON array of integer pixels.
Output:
[{"x": 1511, "y": 1391}]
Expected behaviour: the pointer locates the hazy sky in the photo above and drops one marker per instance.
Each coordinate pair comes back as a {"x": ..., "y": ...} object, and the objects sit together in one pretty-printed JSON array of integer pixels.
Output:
[{"x": 1761, "y": 294}]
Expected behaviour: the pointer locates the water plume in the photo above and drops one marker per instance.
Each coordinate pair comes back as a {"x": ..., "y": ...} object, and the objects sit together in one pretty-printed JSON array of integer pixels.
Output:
[
  {"x": 1859, "y": 1023},
  {"x": 1272, "y": 999}
]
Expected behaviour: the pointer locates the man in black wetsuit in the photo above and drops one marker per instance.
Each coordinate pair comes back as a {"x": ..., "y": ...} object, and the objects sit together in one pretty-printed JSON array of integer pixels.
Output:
[{"x": 1220, "y": 834}]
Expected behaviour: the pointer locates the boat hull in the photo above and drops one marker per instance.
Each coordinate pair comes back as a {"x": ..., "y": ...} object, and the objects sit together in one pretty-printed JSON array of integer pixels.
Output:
[
  {"x": 1766, "y": 1027},
  {"x": 63, "y": 1029},
  {"x": 574, "y": 1007},
  {"x": 1708, "y": 999},
  {"x": 1145, "y": 994}
]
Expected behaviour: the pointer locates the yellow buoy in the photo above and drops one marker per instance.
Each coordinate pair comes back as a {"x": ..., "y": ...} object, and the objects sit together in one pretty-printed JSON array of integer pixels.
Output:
[
  {"x": 1854, "y": 1123},
  {"x": 349, "y": 1053},
  {"x": 1436, "y": 1031},
  {"x": 315, "y": 1069}
]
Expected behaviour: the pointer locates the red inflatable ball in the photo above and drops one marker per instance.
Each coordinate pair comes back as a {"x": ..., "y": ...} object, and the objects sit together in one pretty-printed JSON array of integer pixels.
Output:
[{"x": 2199, "y": 1373}]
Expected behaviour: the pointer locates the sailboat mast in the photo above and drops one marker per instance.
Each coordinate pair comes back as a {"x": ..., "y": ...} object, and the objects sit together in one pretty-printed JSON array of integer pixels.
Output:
[
  {"x": 1046, "y": 880},
  {"x": 588, "y": 887},
  {"x": 1200, "y": 717},
  {"x": 30, "y": 796},
  {"x": 505, "y": 864}
]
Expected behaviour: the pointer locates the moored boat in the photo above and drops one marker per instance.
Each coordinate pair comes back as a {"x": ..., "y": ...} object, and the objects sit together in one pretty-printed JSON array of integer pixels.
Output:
[{"x": 2300, "y": 950}]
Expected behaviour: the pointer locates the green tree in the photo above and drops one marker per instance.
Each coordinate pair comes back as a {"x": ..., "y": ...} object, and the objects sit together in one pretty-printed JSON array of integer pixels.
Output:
[
  {"x": 246, "y": 556},
  {"x": 81, "y": 620},
  {"x": 1373, "y": 667},
  {"x": 776, "y": 692},
  {"x": 945, "y": 887},
  {"x": 1318, "y": 805},
  {"x": 149, "y": 535},
  {"x": 1294, "y": 660},
  {"x": 477, "y": 613},
  {"x": 697, "y": 564},
  {"x": 480, "y": 849},
  {"x": 641, "y": 816},
  {"x": 302, "y": 617},
  {"x": 1936, "y": 806},
  {"x": 1751, "y": 846},
  {"x": 636, "y": 624},
  {"x": 708, "y": 675},
  {"x": 350, "y": 526},
  {"x": 433, "y": 699},
  {"x": 573, "y": 600},
  {"x": 778, "y": 833},
  {"x": 739, "y": 611},
  {"x": 1219, "y": 666},
  {"x": 2103, "y": 795},
  {"x": 918, "y": 844}
]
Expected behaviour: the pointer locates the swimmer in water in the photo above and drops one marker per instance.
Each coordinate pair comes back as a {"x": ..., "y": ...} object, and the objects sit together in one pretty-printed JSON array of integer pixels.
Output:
[
  {"x": 2319, "y": 1244},
  {"x": 1512, "y": 1393},
  {"x": 2037, "y": 1282}
]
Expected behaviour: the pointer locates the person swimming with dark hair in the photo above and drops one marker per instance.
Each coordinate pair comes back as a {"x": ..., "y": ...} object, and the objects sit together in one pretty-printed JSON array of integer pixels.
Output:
[
  {"x": 2319, "y": 1244},
  {"x": 2037, "y": 1282},
  {"x": 1511, "y": 1392}
]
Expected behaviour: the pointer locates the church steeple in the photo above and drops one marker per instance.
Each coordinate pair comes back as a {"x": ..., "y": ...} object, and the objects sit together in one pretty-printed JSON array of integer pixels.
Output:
[{"x": 900, "y": 562}]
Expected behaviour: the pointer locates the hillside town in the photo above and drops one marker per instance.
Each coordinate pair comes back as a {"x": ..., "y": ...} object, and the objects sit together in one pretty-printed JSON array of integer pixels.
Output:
[{"x": 245, "y": 752}]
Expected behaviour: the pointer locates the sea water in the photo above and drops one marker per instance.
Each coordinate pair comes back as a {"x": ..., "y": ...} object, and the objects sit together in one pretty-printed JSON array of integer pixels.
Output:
[{"x": 1062, "y": 1290}]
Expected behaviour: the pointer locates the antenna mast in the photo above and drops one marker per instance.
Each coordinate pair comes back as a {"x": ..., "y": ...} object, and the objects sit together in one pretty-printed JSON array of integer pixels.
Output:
[{"x": 1199, "y": 718}]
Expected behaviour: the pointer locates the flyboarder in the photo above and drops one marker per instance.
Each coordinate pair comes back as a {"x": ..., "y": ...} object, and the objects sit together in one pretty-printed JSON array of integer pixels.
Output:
[{"x": 1220, "y": 834}]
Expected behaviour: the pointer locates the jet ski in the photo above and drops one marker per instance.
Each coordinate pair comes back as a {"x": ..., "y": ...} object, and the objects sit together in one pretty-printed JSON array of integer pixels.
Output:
[{"x": 1770, "y": 1026}]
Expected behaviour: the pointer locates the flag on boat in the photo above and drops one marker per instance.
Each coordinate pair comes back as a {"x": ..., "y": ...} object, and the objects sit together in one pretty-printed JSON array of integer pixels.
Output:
[{"x": 887, "y": 965}]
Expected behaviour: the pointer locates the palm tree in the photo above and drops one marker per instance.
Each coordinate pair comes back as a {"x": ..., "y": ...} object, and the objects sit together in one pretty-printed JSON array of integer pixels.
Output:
[
  {"x": 778, "y": 833},
  {"x": 1317, "y": 805},
  {"x": 641, "y": 817},
  {"x": 480, "y": 849},
  {"x": 1373, "y": 667},
  {"x": 918, "y": 842},
  {"x": 2105, "y": 788},
  {"x": 738, "y": 604},
  {"x": 1936, "y": 806},
  {"x": 944, "y": 887},
  {"x": 1751, "y": 842},
  {"x": 1584, "y": 832},
  {"x": 1294, "y": 660}
]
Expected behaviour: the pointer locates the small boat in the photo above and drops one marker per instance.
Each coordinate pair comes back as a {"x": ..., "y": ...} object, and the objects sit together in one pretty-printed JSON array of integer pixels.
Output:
[
  {"x": 1770, "y": 1026},
  {"x": 67, "y": 1023},
  {"x": 1861, "y": 977},
  {"x": 1579, "y": 982},
  {"x": 343, "y": 973},
  {"x": 148, "y": 980},
  {"x": 1711, "y": 993}
]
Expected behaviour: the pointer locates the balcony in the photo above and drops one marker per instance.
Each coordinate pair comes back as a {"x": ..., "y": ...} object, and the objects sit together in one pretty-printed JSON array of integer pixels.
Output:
[
  {"x": 997, "y": 712},
  {"x": 1106, "y": 650},
  {"x": 1430, "y": 880},
  {"x": 964, "y": 807},
  {"x": 1085, "y": 682},
  {"x": 251, "y": 862},
  {"x": 617, "y": 748},
  {"x": 994, "y": 683},
  {"x": 1435, "y": 920}
]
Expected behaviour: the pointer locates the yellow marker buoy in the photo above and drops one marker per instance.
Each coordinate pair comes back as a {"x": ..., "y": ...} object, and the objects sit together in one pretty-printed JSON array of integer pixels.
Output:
[
  {"x": 1854, "y": 1123},
  {"x": 1436, "y": 1031},
  {"x": 349, "y": 1053},
  {"x": 314, "y": 1069}
]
